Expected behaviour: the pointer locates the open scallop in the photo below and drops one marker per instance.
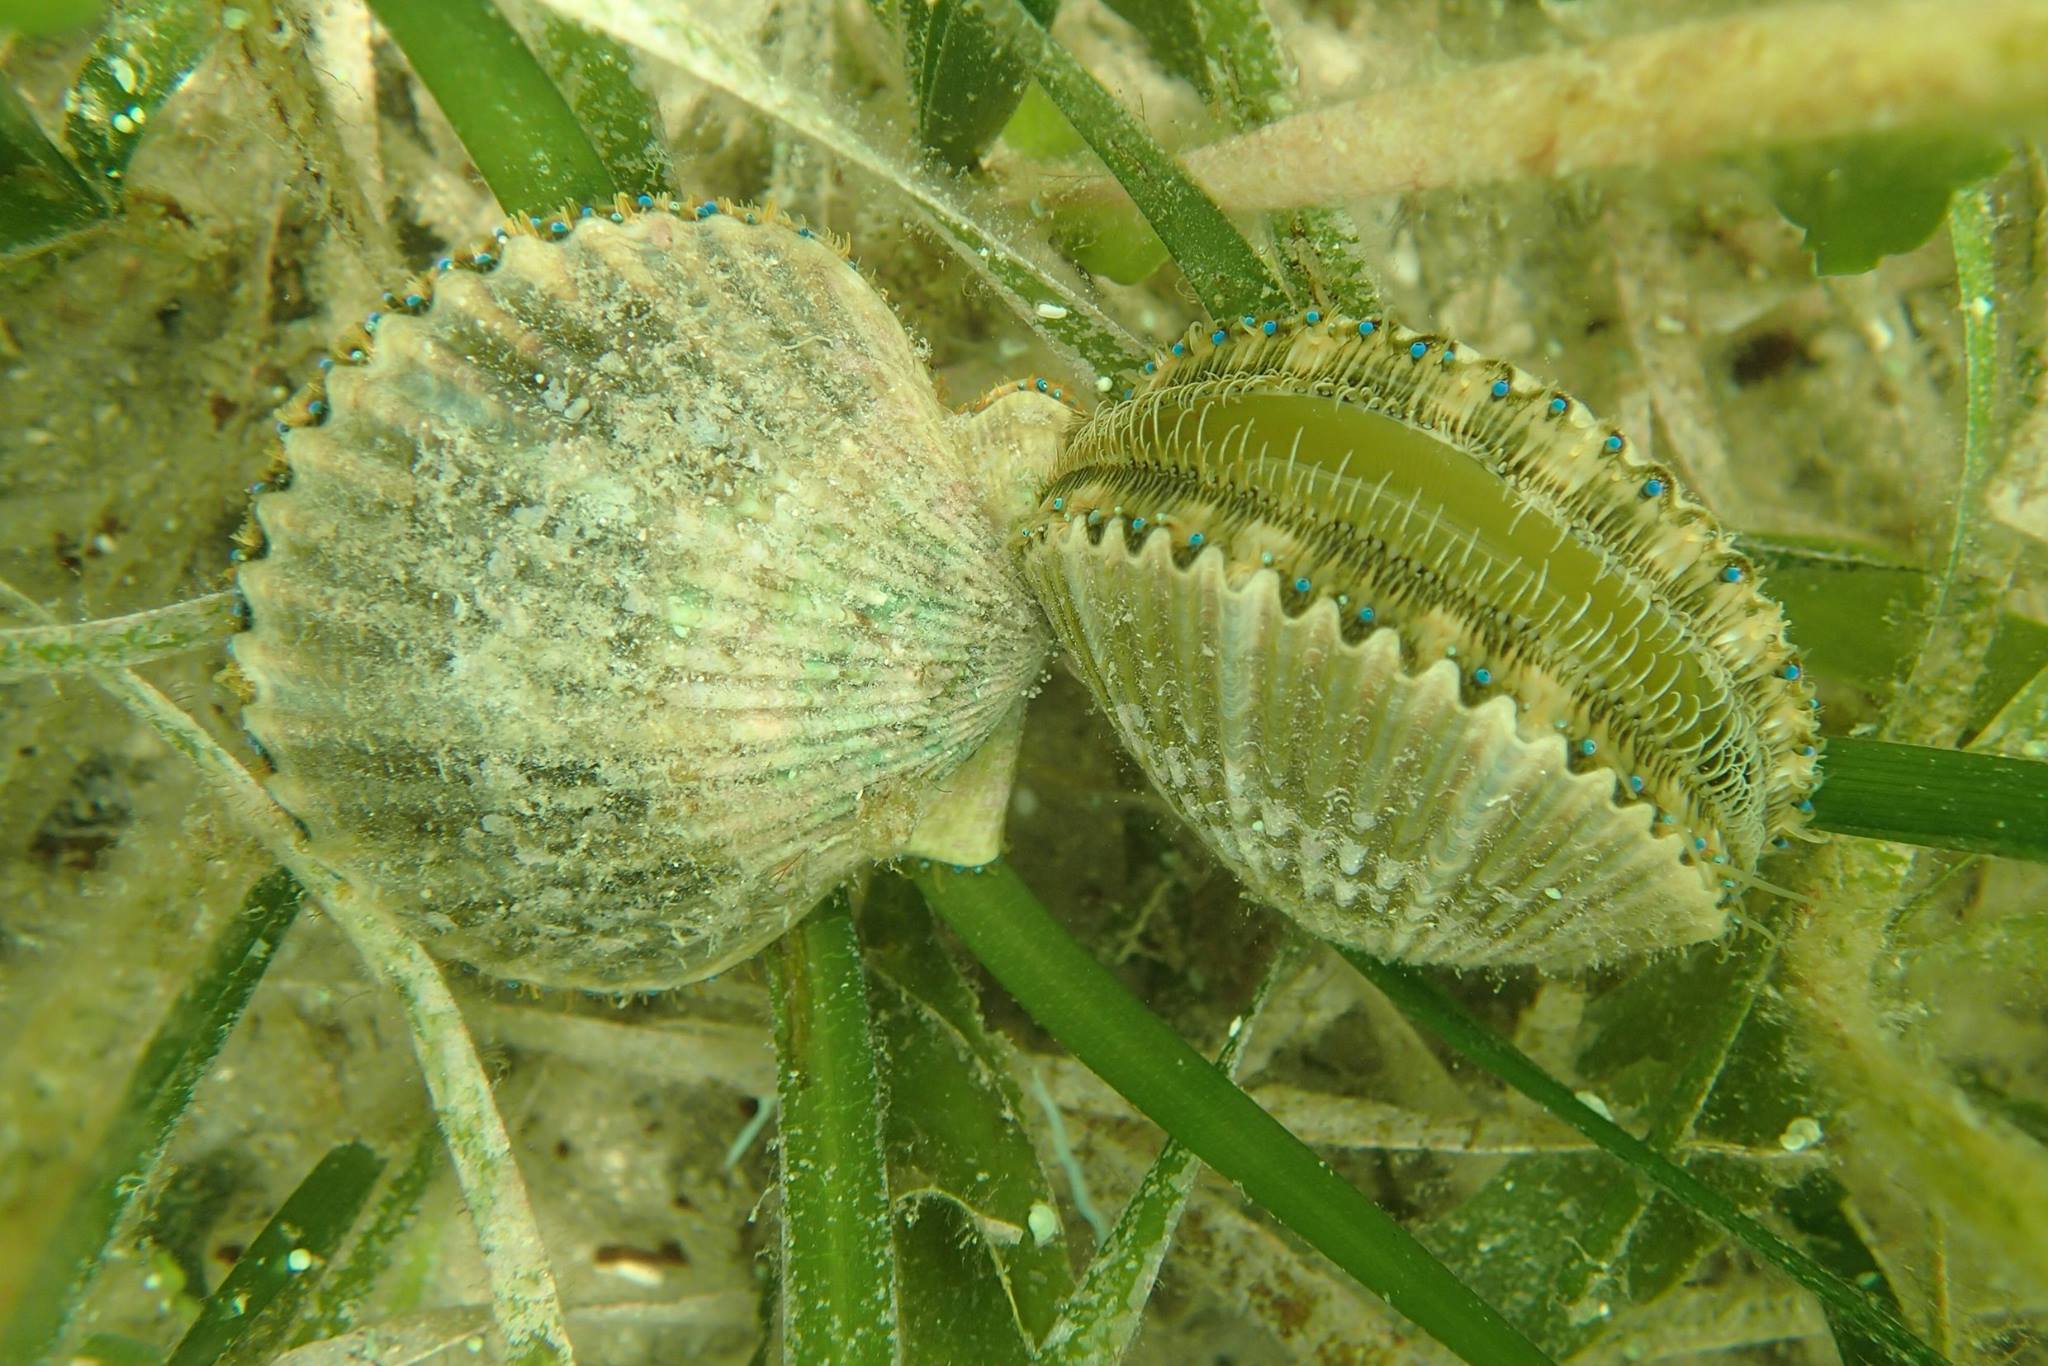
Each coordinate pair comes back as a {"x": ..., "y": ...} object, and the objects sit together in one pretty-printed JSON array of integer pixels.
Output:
[{"x": 1434, "y": 664}]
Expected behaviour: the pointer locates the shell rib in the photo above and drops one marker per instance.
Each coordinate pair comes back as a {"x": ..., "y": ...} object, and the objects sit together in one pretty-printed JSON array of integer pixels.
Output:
[
  {"x": 627, "y": 594},
  {"x": 1433, "y": 663}
]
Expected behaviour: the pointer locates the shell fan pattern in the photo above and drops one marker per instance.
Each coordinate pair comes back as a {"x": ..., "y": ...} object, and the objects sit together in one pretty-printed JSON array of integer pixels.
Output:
[
  {"x": 624, "y": 588},
  {"x": 1429, "y": 659}
]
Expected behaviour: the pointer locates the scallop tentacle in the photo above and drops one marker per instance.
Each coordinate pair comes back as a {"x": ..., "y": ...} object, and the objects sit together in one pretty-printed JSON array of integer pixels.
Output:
[{"x": 624, "y": 594}]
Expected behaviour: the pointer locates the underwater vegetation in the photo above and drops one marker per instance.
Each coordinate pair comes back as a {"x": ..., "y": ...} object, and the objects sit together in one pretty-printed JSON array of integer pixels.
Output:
[{"x": 868, "y": 636}]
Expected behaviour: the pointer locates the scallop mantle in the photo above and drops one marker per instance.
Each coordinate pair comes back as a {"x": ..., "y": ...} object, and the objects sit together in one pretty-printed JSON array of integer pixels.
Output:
[{"x": 622, "y": 594}]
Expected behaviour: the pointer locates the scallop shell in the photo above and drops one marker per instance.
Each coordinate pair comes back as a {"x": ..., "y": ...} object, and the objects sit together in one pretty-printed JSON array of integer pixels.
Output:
[
  {"x": 628, "y": 591},
  {"x": 1427, "y": 657}
]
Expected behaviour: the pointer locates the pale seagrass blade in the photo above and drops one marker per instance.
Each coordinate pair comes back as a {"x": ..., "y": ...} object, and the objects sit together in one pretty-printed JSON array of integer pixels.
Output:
[
  {"x": 1371, "y": 803},
  {"x": 627, "y": 597}
]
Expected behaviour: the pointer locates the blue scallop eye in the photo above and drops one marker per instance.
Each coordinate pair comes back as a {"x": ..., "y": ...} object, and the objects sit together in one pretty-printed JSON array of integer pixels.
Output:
[{"x": 1499, "y": 389}]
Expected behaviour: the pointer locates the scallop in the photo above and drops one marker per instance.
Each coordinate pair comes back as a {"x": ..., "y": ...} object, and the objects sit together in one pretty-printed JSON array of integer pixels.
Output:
[
  {"x": 625, "y": 587},
  {"x": 1428, "y": 657}
]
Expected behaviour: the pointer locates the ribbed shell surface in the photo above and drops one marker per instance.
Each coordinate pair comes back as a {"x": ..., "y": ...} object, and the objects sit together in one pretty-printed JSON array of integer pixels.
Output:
[
  {"x": 630, "y": 594},
  {"x": 1370, "y": 803}
]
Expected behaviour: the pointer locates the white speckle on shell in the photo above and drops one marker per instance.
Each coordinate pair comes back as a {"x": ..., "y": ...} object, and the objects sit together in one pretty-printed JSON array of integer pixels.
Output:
[{"x": 630, "y": 596}]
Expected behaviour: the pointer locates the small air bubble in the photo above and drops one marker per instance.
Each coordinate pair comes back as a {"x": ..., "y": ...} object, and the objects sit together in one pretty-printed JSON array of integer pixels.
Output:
[{"x": 1801, "y": 1134}]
